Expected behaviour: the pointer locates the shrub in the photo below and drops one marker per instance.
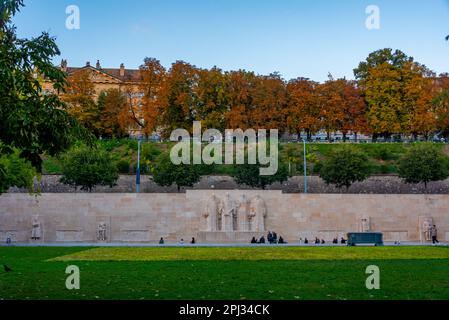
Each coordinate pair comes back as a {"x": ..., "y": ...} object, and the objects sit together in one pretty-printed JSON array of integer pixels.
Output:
[
  {"x": 423, "y": 163},
  {"x": 15, "y": 172},
  {"x": 165, "y": 173},
  {"x": 123, "y": 166},
  {"x": 87, "y": 167},
  {"x": 344, "y": 166},
  {"x": 248, "y": 174}
]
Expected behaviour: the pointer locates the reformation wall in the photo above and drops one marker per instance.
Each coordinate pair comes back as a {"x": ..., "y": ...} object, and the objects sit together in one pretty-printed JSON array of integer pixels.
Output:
[{"x": 215, "y": 216}]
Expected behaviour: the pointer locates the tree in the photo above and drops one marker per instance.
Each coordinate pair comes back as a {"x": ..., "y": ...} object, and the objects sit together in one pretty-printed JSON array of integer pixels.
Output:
[
  {"x": 239, "y": 88},
  {"x": 112, "y": 106},
  {"x": 269, "y": 103},
  {"x": 303, "y": 113},
  {"x": 211, "y": 103},
  {"x": 419, "y": 90},
  {"x": 354, "y": 118},
  {"x": 177, "y": 98},
  {"x": 153, "y": 75},
  {"x": 344, "y": 166},
  {"x": 165, "y": 173},
  {"x": 88, "y": 167},
  {"x": 31, "y": 121},
  {"x": 15, "y": 172},
  {"x": 398, "y": 92},
  {"x": 80, "y": 98},
  {"x": 396, "y": 59},
  {"x": 331, "y": 103},
  {"x": 248, "y": 174},
  {"x": 441, "y": 106},
  {"x": 423, "y": 163}
]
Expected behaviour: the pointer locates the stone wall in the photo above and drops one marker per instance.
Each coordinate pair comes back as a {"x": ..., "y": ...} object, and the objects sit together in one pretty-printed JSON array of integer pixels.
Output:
[
  {"x": 387, "y": 184},
  {"x": 147, "y": 217}
]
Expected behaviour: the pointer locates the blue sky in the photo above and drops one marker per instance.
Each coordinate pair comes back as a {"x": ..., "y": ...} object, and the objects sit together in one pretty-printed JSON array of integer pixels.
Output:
[{"x": 295, "y": 37}]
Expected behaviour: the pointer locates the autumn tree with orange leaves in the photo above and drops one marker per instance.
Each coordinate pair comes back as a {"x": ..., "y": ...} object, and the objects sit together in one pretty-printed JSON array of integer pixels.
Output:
[
  {"x": 80, "y": 98},
  {"x": 268, "y": 103},
  {"x": 177, "y": 98},
  {"x": 114, "y": 115},
  {"x": 342, "y": 109},
  {"x": 302, "y": 111},
  {"x": 153, "y": 75}
]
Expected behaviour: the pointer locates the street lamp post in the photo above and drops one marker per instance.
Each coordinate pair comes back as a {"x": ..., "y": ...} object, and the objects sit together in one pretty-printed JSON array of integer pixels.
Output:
[
  {"x": 139, "y": 141},
  {"x": 305, "y": 166}
]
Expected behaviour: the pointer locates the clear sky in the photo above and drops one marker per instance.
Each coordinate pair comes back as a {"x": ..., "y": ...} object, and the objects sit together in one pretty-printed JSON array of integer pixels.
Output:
[{"x": 294, "y": 37}]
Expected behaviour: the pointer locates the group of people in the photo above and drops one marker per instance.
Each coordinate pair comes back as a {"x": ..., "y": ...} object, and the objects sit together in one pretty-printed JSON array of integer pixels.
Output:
[
  {"x": 318, "y": 241},
  {"x": 272, "y": 238},
  {"x": 193, "y": 241}
]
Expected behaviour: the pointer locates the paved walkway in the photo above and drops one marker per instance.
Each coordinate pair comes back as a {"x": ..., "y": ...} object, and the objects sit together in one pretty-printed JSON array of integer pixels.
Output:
[{"x": 208, "y": 245}]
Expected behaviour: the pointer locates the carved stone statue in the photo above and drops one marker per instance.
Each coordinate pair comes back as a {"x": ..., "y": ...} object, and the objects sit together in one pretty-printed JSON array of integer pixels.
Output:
[
  {"x": 257, "y": 215},
  {"x": 211, "y": 213},
  {"x": 36, "y": 231},
  {"x": 425, "y": 226},
  {"x": 242, "y": 215},
  {"x": 365, "y": 224},
  {"x": 228, "y": 213},
  {"x": 101, "y": 231}
]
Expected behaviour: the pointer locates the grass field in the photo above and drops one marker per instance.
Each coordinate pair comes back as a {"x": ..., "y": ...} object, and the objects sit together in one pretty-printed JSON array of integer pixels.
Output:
[{"x": 290, "y": 273}]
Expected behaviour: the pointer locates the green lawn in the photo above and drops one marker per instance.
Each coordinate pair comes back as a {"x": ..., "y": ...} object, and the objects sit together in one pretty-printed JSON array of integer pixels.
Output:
[{"x": 225, "y": 273}]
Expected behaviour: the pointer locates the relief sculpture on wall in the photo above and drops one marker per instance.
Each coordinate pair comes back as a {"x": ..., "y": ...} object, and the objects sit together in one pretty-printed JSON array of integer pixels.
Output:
[{"x": 228, "y": 215}]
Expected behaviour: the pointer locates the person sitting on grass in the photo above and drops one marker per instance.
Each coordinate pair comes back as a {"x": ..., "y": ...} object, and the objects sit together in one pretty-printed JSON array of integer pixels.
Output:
[
  {"x": 262, "y": 239},
  {"x": 343, "y": 241},
  {"x": 161, "y": 241},
  {"x": 317, "y": 241},
  {"x": 193, "y": 241},
  {"x": 253, "y": 240},
  {"x": 335, "y": 241},
  {"x": 306, "y": 241},
  {"x": 281, "y": 240},
  {"x": 322, "y": 241}
]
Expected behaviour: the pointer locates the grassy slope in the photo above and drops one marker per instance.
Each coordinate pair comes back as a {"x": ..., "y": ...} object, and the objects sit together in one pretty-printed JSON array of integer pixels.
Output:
[
  {"x": 383, "y": 156},
  {"x": 214, "y": 273}
]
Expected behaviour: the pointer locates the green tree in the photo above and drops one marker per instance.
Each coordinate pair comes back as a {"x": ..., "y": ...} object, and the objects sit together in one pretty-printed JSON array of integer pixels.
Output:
[
  {"x": 398, "y": 94},
  {"x": 15, "y": 172},
  {"x": 165, "y": 173},
  {"x": 88, "y": 167},
  {"x": 31, "y": 121},
  {"x": 248, "y": 174},
  {"x": 344, "y": 166},
  {"x": 423, "y": 163}
]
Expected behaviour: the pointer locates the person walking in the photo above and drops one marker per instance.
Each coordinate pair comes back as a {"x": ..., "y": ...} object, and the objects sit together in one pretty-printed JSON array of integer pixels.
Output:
[{"x": 434, "y": 234}]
